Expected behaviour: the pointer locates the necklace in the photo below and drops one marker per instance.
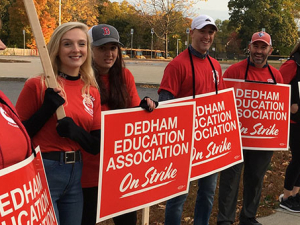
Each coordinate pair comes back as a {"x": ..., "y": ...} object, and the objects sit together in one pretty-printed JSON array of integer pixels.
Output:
[{"x": 68, "y": 77}]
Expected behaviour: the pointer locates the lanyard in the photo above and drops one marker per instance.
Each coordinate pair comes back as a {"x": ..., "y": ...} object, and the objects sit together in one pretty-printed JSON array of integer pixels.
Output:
[
  {"x": 193, "y": 72},
  {"x": 246, "y": 74}
]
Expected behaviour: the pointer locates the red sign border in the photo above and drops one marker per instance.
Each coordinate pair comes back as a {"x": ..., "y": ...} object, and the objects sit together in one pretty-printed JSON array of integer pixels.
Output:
[
  {"x": 204, "y": 95},
  {"x": 25, "y": 163},
  {"x": 288, "y": 131},
  {"x": 103, "y": 114}
]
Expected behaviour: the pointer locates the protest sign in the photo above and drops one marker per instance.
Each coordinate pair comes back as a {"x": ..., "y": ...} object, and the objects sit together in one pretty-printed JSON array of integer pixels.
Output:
[
  {"x": 264, "y": 114},
  {"x": 217, "y": 143},
  {"x": 145, "y": 157},
  {"x": 24, "y": 194}
]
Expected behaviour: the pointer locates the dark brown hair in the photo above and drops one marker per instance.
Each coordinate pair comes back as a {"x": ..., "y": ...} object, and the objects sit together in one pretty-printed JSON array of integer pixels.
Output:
[
  {"x": 117, "y": 97},
  {"x": 295, "y": 49}
]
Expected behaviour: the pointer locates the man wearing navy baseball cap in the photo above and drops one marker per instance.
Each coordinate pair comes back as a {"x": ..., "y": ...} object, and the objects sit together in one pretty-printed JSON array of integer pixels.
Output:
[{"x": 191, "y": 73}]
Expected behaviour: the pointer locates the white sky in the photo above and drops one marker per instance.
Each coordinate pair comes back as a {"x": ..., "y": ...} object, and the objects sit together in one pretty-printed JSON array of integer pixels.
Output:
[{"x": 217, "y": 9}]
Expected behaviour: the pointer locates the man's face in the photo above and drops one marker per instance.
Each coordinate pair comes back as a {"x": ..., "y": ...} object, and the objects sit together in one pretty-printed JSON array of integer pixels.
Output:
[
  {"x": 203, "y": 38},
  {"x": 259, "y": 52}
]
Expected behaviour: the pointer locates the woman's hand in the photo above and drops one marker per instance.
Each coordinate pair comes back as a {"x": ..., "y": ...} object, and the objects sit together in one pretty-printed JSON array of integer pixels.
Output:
[{"x": 148, "y": 104}]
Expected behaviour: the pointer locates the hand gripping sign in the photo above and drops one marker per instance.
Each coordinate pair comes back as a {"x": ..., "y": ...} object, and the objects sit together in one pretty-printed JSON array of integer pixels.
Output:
[
  {"x": 24, "y": 194},
  {"x": 264, "y": 114},
  {"x": 145, "y": 157},
  {"x": 217, "y": 140},
  {"x": 43, "y": 52}
]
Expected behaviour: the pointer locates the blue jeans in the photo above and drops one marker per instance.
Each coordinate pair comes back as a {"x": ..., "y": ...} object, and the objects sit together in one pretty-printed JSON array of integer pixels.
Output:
[
  {"x": 65, "y": 190},
  {"x": 203, "y": 206}
]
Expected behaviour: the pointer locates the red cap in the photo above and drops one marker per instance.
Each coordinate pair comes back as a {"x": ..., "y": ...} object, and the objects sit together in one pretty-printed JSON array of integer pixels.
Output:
[{"x": 261, "y": 36}]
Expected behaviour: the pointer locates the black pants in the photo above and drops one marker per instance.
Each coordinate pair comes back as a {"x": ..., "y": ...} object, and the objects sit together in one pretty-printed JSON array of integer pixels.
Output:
[
  {"x": 90, "y": 210},
  {"x": 292, "y": 174},
  {"x": 255, "y": 166}
]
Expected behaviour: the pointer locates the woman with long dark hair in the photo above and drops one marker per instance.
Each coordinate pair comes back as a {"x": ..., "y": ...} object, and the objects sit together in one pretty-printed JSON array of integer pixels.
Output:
[{"x": 118, "y": 91}]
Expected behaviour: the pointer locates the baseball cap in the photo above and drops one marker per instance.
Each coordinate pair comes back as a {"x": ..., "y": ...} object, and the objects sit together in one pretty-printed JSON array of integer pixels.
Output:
[
  {"x": 104, "y": 33},
  {"x": 201, "y": 21},
  {"x": 261, "y": 36}
]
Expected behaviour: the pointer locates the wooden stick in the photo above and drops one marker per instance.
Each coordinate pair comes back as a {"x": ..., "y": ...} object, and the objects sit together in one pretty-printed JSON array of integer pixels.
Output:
[
  {"x": 43, "y": 51},
  {"x": 145, "y": 216}
]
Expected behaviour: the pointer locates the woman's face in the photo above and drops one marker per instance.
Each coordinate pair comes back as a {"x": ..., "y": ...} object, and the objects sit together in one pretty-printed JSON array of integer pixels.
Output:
[
  {"x": 72, "y": 51},
  {"x": 105, "y": 56}
]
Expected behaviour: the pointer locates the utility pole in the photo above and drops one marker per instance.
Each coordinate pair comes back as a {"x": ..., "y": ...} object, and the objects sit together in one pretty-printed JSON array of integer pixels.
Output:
[
  {"x": 131, "y": 32},
  {"x": 152, "y": 32}
]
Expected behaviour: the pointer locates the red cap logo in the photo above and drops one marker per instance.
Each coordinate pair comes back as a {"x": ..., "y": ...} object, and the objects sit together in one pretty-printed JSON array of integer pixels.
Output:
[{"x": 106, "y": 31}]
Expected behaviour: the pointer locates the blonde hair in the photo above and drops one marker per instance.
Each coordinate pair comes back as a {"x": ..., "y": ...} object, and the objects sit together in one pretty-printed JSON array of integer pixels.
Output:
[{"x": 86, "y": 71}]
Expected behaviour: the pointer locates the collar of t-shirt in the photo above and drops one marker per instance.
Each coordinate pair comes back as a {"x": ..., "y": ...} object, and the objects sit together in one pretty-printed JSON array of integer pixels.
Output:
[
  {"x": 252, "y": 64},
  {"x": 68, "y": 77},
  {"x": 196, "y": 53}
]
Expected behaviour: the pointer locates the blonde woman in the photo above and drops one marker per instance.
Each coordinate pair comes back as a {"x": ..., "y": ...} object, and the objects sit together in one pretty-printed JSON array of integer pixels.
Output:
[{"x": 62, "y": 141}]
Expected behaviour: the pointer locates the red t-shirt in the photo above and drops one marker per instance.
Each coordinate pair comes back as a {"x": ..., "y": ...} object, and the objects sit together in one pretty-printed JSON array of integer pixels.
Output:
[
  {"x": 288, "y": 71},
  {"x": 90, "y": 171},
  {"x": 15, "y": 144},
  {"x": 178, "y": 76},
  {"x": 85, "y": 112},
  {"x": 238, "y": 70}
]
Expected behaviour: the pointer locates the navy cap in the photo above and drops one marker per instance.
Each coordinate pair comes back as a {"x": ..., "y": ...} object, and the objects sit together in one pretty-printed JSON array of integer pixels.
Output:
[{"x": 104, "y": 33}]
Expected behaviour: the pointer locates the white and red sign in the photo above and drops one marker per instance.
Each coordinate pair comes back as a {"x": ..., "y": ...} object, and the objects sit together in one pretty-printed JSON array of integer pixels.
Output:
[
  {"x": 264, "y": 114},
  {"x": 145, "y": 157},
  {"x": 24, "y": 194},
  {"x": 217, "y": 139}
]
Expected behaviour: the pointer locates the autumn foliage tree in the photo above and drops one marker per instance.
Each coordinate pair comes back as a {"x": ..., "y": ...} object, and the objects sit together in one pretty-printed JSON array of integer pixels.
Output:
[
  {"x": 47, "y": 10},
  {"x": 84, "y": 11},
  {"x": 18, "y": 21},
  {"x": 164, "y": 15}
]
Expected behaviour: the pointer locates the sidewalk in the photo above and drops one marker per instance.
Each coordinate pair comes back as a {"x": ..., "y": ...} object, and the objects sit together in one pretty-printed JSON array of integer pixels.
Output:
[
  {"x": 144, "y": 72},
  {"x": 281, "y": 217}
]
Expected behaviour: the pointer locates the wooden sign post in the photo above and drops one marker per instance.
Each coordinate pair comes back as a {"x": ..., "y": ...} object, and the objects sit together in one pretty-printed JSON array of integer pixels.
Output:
[
  {"x": 145, "y": 216},
  {"x": 43, "y": 51}
]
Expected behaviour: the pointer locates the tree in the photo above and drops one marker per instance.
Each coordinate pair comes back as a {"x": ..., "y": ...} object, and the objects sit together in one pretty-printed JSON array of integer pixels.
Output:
[
  {"x": 18, "y": 21},
  {"x": 165, "y": 15},
  {"x": 125, "y": 17},
  {"x": 226, "y": 40},
  {"x": 295, "y": 8},
  {"x": 4, "y": 6},
  {"x": 249, "y": 16},
  {"x": 84, "y": 11}
]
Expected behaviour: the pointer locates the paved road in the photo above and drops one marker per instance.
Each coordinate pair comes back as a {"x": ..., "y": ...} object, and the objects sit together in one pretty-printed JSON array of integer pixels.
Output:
[
  {"x": 12, "y": 89},
  {"x": 19, "y": 68},
  {"x": 145, "y": 72}
]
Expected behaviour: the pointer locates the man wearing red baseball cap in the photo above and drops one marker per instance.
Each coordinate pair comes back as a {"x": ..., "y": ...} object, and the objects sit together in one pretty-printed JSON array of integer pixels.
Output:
[{"x": 254, "y": 68}]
